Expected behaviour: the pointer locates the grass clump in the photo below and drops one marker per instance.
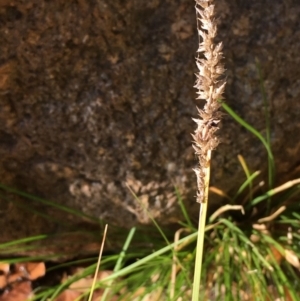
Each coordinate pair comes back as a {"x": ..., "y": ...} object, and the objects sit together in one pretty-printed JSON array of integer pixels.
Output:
[{"x": 239, "y": 252}]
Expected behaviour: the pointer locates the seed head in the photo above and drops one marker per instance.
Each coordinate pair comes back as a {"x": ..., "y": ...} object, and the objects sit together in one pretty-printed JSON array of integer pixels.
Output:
[{"x": 210, "y": 87}]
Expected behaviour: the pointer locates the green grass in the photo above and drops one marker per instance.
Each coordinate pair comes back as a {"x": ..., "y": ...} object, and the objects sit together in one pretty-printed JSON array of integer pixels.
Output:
[
  {"x": 234, "y": 266},
  {"x": 239, "y": 260}
]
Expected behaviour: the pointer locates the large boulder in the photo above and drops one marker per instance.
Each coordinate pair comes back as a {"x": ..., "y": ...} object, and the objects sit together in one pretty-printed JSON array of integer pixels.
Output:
[{"x": 97, "y": 97}]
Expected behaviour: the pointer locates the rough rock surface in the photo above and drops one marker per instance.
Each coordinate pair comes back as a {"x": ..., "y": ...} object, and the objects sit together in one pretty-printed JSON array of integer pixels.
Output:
[{"x": 98, "y": 95}]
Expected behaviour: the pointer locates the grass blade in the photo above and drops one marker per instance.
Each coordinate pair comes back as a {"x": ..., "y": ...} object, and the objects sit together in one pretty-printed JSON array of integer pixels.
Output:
[
  {"x": 48, "y": 203},
  {"x": 119, "y": 261},
  {"x": 259, "y": 136}
]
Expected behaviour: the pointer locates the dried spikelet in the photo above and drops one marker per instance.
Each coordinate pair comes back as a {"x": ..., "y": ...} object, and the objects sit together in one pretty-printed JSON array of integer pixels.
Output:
[{"x": 210, "y": 87}]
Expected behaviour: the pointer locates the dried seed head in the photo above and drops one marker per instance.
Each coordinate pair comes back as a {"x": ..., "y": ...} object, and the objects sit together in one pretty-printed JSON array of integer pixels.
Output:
[{"x": 209, "y": 87}]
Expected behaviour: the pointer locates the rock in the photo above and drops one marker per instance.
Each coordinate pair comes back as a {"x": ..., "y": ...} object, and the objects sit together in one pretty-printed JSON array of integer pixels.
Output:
[{"x": 97, "y": 97}]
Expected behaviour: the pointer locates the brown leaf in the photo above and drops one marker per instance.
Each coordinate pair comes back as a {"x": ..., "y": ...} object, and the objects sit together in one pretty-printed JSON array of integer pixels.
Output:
[
  {"x": 11, "y": 278},
  {"x": 84, "y": 284},
  {"x": 67, "y": 295},
  {"x": 4, "y": 267},
  {"x": 277, "y": 256},
  {"x": 97, "y": 296},
  {"x": 287, "y": 294},
  {"x": 35, "y": 270},
  {"x": 292, "y": 258},
  {"x": 20, "y": 291},
  {"x": 81, "y": 285},
  {"x": 28, "y": 270},
  {"x": 3, "y": 281},
  {"x": 274, "y": 294}
]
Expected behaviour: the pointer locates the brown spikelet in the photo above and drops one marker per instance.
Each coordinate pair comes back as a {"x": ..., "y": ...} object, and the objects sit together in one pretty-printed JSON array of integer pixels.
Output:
[{"x": 209, "y": 87}]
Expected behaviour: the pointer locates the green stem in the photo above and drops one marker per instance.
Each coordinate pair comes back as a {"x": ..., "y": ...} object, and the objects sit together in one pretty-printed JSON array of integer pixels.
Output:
[
  {"x": 201, "y": 233},
  {"x": 199, "y": 252}
]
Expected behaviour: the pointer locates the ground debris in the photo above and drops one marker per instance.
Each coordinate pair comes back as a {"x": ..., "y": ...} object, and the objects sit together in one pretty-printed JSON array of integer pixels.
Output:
[{"x": 16, "y": 279}]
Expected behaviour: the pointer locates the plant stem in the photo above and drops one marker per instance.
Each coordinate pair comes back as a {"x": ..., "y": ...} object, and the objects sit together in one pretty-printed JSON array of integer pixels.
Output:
[
  {"x": 201, "y": 234},
  {"x": 210, "y": 85}
]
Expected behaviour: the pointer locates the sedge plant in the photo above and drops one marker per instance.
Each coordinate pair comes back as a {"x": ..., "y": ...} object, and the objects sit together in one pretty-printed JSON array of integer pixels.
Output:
[{"x": 210, "y": 87}]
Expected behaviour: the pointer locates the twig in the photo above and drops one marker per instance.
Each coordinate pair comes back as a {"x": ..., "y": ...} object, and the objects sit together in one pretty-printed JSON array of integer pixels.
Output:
[
  {"x": 224, "y": 209},
  {"x": 284, "y": 186},
  {"x": 98, "y": 263},
  {"x": 219, "y": 192},
  {"x": 272, "y": 216}
]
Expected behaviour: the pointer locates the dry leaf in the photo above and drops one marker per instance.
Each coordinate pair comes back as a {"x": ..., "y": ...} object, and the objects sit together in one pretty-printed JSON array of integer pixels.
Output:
[
  {"x": 67, "y": 295},
  {"x": 273, "y": 292},
  {"x": 277, "y": 256},
  {"x": 254, "y": 238},
  {"x": 3, "y": 281},
  {"x": 15, "y": 277},
  {"x": 155, "y": 295},
  {"x": 84, "y": 284},
  {"x": 289, "y": 256},
  {"x": 35, "y": 270},
  {"x": 20, "y": 291},
  {"x": 29, "y": 270},
  {"x": 292, "y": 258},
  {"x": 288, "y": 296},
  {"x": 81, "y": 285},
  {"x": 97, "y": 296},
  {"x": 4, "y": 267}
]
